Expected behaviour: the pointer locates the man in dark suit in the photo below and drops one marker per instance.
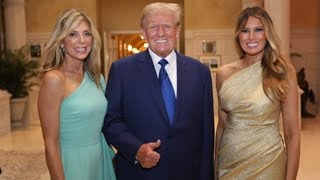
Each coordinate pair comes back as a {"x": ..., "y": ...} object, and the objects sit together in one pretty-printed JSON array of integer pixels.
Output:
[{"x": 160, "y": 111}]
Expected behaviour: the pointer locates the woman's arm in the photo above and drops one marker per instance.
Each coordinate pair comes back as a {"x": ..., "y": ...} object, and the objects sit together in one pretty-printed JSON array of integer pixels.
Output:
[
  {"x": 49, "y": 101},
  {"x": 291, "y": 127},
  {"x": 220, "y": 127},
  {"x": 222, "y": 118}
]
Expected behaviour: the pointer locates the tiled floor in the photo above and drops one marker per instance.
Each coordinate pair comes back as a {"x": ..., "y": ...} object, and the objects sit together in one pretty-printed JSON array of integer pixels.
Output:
[
  {"x": 27, "y": 140},
  {"x": 310, "y": 149},
  {"x": 30, "y": 139}
]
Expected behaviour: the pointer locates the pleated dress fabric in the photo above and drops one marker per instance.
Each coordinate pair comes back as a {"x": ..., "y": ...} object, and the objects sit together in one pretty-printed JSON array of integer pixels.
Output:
[
  {"x": 85, "y": 153},
  {"x": 251, "y": 146}
]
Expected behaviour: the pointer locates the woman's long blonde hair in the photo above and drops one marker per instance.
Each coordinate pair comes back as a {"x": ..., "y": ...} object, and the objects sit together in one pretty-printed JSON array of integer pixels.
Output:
[
  {"x": 53, "y": 53},
  {"x": 276, "y": 69}
]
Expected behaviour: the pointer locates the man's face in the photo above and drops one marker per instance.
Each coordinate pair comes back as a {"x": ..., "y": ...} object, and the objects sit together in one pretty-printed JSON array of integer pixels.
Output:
[{"x": 161, "y": 33}]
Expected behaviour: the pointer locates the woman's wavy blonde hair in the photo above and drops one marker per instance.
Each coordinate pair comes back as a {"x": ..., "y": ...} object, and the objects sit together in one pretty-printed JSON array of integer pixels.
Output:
[
  {"x": 276, "y": 69},
  {"x": 53, "y": 54}
]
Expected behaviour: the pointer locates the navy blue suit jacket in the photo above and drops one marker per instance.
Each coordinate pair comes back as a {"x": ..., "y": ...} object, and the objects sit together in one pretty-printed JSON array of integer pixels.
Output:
[{"x": 136, "y": 115}]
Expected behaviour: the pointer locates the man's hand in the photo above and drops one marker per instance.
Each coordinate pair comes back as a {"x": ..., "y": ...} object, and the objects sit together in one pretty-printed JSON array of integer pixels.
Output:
[{"x": 146, "y": 155}]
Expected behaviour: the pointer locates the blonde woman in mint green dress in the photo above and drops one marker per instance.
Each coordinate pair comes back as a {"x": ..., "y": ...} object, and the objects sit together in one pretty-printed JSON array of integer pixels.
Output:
[{"x": 72, "y": 104}]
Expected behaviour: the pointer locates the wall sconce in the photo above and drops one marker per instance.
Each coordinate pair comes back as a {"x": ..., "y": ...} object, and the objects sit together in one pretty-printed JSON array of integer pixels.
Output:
[{"x": 129, "y": 47}]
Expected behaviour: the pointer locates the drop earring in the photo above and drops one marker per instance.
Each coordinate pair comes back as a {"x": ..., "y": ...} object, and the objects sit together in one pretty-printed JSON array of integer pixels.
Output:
[{"x": 62, "y": 50}]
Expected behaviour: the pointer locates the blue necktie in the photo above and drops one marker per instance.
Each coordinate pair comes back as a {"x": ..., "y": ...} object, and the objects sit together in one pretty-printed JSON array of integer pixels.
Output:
[{"x": 167, "y": 90}]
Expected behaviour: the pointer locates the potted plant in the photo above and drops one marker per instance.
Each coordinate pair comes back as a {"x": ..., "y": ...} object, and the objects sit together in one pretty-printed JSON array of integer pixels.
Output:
[{"x": 16, "y": 73}]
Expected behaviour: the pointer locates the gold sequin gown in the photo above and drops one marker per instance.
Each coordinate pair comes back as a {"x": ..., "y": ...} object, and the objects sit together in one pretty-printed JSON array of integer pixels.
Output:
[{"x": 251, "y": 146}]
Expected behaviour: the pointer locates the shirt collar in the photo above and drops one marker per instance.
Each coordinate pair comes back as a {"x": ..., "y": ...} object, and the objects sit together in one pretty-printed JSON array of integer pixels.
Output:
[{"x": 155, "y": 58}]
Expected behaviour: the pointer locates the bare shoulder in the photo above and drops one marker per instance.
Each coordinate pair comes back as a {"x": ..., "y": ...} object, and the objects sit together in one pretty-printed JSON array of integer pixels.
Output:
[
  {"x": 53, "y": 77},
  {"x": 225, "y": 71},
  {"x": 53, "y": 82}
]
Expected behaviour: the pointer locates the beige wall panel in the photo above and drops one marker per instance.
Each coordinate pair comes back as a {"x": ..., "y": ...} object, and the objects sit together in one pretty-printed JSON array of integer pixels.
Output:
[
  {"x": 305, "y": 40},
  {"x": 211, "y": 14},
  {"x": 124, "y": 15},
  {"x": 42, "y": 14}
]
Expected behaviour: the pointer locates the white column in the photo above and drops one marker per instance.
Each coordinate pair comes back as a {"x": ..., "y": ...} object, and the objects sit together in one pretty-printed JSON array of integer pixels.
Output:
[
  {"x": 15, "y": 23},
  {"x": 280, "y": 14}
]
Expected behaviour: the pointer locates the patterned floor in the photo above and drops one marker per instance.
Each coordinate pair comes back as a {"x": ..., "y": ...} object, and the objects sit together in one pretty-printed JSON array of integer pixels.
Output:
[
  {"x": 22, "y": 155},
  {"x": 30, "y": 165}
]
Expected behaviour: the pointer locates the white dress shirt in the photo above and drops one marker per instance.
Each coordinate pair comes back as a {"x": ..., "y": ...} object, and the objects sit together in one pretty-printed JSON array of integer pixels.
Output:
[{"x": 171, "y": 67}]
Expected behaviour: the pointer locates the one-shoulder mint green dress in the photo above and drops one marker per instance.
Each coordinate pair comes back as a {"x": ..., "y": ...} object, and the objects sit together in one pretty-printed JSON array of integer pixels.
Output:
[{"x": 84, "y": 151}]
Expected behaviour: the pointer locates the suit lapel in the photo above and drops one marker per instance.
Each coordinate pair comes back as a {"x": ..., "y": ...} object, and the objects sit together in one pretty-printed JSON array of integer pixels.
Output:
[
  {"x": 151, "y": 82},
  {"x": 182, "y": 67}
]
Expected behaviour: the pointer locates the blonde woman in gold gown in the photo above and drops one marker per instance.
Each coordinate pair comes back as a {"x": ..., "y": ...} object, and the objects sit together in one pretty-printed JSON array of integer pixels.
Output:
[{"x": 253, "y": 92}]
